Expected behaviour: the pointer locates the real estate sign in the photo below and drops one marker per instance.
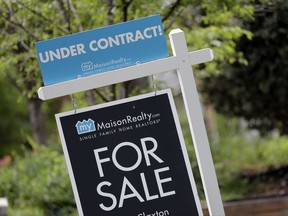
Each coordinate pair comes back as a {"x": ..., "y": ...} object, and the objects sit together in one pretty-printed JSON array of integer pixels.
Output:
[
  {"x": 128, "y": 157},
  {"x": 100, "y": 50}
]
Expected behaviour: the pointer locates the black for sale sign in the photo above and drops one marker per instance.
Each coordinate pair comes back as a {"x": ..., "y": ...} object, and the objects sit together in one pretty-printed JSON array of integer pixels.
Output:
[{"x": 128, "y": 158}]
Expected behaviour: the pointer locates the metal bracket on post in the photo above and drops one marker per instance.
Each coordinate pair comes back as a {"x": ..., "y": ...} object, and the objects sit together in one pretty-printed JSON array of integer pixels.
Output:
[{"x": 196, "y": 123}]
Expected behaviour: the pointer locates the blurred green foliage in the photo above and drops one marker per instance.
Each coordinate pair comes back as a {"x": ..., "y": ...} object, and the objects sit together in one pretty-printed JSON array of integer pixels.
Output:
[
  {"x": 13, "y": 119},
  {"x": 39, "y": 179},
  {"x": 37, "y": 183},
  {"x": 23, "y": 23},
  {"x": 258, "y": 89},
  {"x": 214, "y": 24},
  {"x": 238, "y": 149}
]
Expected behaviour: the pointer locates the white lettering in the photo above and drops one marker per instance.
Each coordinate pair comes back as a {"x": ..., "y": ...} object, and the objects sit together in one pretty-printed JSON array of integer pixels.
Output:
[
  {"x": 148, "y": 197},
  {"x": 122, "y": 38},
  {"x": 146, "y": 33},
  {"x": 154, "y": 29},
  {"x": 120, "y": 167},
  {"x": 92, "y": 45},
  {"x": 100, "y": 161},
  {"x": 46, "y": 57},
  {"x": 139, "y": 35},
  {"x": 53, "y": 54},
  {"x": 65, "y": 52},
  {"x": 73, "y": 50},
  {"x": 80, "y": 49},
  {"x": 150, "y": 152},
  {"x": 113, "y": 41},
  {"x": 129, "y": 37},
  {"x": 161, "y": 181},
  {"x": 124, "y": 196},
  {"x": 105, "y": 194},
  {"x": 103, "y": 43}
]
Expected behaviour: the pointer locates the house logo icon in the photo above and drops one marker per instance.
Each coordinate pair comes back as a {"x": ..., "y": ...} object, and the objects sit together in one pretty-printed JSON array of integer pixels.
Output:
[
  {"x": 87, "y": 66},
  {"x": 86, "y": 126}
]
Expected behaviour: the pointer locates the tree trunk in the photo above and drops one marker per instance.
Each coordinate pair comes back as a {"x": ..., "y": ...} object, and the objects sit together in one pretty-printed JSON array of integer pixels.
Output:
[
  {"x": 110, "y": 5},
  {"x": 37, "y": 120},
  {"x": 211, "y": 123}
]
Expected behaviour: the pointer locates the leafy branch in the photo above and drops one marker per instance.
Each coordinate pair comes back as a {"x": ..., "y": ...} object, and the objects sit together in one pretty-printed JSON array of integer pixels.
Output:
[
  {"x": 13, "y": 20},
  {"x": 174, "y": 6}
]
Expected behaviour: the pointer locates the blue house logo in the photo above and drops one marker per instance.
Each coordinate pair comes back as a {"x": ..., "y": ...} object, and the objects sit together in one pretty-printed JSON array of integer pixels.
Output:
[{"x": 85, "y": 126}]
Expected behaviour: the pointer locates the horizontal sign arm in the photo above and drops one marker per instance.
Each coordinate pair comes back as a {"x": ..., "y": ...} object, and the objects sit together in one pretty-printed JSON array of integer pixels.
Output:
[{"x": 120, "y": 75}]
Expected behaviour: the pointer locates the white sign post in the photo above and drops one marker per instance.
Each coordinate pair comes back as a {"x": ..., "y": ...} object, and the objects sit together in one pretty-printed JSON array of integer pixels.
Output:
[
  {"x": 180, "y": 61},
  {"x": 196, "y": 123}
]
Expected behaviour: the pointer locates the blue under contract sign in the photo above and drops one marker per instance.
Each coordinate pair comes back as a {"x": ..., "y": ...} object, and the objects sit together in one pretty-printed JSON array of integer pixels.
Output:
[{"x": 100, "y": 50}]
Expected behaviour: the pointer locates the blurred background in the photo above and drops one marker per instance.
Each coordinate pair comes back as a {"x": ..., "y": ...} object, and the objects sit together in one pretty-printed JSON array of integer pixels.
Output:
[{"x": 243, "y": 92}]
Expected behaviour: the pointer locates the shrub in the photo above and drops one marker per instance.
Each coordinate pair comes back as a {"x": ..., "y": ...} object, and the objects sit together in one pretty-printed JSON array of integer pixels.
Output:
[{"x": 39, "y": 179}]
